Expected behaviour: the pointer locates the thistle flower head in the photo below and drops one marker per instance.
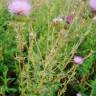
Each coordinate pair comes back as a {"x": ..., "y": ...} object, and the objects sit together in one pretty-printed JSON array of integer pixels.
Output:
[
  {"x": 69, "y": 18},
  {"x": 92, "y": 4},
  {"x": 78, "y": 59},
  {"x": 20, "y": 7},
  {"x": 94, "y": 18},
  {"x": 79, "y": 94},
  {"x": 57, "y": 20}
]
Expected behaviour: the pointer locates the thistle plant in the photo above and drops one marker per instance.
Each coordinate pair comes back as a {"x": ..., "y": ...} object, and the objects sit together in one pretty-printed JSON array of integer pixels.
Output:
[{"x": 47, "y": 48}]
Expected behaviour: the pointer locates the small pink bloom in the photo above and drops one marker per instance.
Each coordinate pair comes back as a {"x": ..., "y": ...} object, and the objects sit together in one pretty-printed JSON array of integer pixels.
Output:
[
  {"x": 79, "y": 94},
  {"x": 69, "y": 19},
  {"x": 78, "y": 59},
  {"x": 20, "y": 7},
  {"x": 92, "y": 4}
]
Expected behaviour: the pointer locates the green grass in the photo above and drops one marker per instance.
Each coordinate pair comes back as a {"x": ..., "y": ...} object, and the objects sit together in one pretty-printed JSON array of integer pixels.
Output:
[{"x": 36, "y": 58}]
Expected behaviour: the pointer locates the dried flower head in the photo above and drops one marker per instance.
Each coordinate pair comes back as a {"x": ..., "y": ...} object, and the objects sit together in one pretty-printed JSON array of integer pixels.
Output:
[
  {"x": 20, "y": 7},
  {"x": 78, "y": 59},
  {"x": 58, "y": 20},
  {"x": 94, "y": 18}
]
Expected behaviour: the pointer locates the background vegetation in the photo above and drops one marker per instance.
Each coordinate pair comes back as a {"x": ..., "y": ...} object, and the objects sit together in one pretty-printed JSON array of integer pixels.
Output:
[{"x": 36, "y": 58}]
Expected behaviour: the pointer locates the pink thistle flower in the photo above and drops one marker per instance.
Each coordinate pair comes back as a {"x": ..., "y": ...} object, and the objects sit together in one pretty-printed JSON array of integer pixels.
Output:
[
  {"x": 92, "y": 4},
  {"x": 69, "y": 19},
  {"x": 79, "y": 94},
  {"x": 20, "y": 7},
  {"x": 78, "y": 59}
]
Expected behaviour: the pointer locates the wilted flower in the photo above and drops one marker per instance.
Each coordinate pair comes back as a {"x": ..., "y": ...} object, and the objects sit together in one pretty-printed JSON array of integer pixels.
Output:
[
  {"x": 92, "y": 4},
  {"x": 20, "y": 7},
  {"x": 69, "y": 19},
  {"x": 57, "y": 20},
  {"x": 31, "y": 34},
  {"x": 78, "y": 59},
  {"x": 79, "y": 94},
  {"x": 94, "y": 18}
]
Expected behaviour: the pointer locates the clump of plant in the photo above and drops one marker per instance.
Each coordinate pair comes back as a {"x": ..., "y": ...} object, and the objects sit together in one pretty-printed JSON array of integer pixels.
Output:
[{"x": 47, "y": 49}]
